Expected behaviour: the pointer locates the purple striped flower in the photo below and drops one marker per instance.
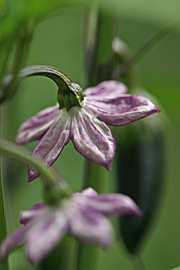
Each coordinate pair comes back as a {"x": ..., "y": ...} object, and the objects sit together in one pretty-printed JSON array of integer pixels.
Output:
[
  {"x": 85, "y": 126},
  {"x": 83, "y": 215}
]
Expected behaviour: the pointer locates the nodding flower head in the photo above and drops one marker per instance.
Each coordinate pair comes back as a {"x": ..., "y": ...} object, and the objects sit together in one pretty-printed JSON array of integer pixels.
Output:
[
  {"x": 82, "y": 117},
  {"x": 83, "y": 214}
]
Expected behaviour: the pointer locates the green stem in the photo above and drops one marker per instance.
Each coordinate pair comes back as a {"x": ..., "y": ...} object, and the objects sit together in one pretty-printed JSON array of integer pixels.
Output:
[
  {"x": 88, "y": 254},
  {"x": 138, "y": 263},
  {"x": 24, "y": 156},
  {"x": 99, "y": 69},
  {"x": 56, "y": 75},
  {"x": 99, "y": 58},
  {"x": 69, "y": 94},
  {"x": 13, "y": 64},
  {"x": 3, "y": 230},
  {"x": 94, "y": 176}
]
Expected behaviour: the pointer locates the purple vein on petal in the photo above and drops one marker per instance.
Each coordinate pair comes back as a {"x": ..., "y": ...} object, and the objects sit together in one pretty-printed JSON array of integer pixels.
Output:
[
  {"x": 91, "y": 226},
  {"x": 92, "y": 138},
  {"x": 122, "y": 110},
  {"x": 45, "y": 234},
  {"x": 106, "y": 89},
  {"x": 35, "y": 127},
  {"x": 113, "y": 204},
  {"x": 52, "y": 143},
  {"x": 17, "y": 238}
]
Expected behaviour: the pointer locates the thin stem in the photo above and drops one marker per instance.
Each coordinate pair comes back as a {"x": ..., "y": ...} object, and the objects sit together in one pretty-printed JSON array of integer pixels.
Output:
[
  {"x": 24, "y": 156},
  {"x": 62, "y": 81},
  {"x": 99, "y": 61},
  {"x": 94, "y": 176},
  {"x": 138, "y": 263},
  {"x": 69, "y": 94},
  {"x": 88, "y": 254},
  {"x": 3, "y": 230},
  {"x": 13, "y": 62},
  {"x": 53, "y": 73},
  {"x": 147, "y": 46},
  {"x": 50, "y": 72}
]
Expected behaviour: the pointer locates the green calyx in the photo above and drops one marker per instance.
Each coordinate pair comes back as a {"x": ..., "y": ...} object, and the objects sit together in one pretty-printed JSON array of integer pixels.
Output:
[
  {"x": 54, "y": 194},
  {"x": 70, "y": 96}
]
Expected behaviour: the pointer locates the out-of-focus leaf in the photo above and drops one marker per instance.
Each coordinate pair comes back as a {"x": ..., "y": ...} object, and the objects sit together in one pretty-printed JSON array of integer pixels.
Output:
[
  {"x": 178, "y": 268},
  {"x": 20, "y": 11}
]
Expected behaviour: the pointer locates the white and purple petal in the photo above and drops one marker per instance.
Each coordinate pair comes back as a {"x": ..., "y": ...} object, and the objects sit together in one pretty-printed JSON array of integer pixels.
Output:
[
  {"x": 121, "y": 110},
  {"x": 27, "y": 215},
  {"x": 52, "y": 143},
  {"x": 34, "y": 128},
  {"x": 113, "y": 204},
  {"x": 14, "y": 240},
  {"x": 91, "y": 137},
  {"x": 45, "y": 233},
  {"x": 89, "y": 192},
  {"x": 91, "y": 226},
  {"x": 106, "y": 89}
]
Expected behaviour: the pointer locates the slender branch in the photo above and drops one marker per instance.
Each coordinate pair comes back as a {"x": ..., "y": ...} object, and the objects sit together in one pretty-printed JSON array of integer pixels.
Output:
[
  {"x": 138, "y": 263},
  {"x": 147, "y": 46},
  {"x": 94, "y": 176},
  {"x": 22, "y": 39},
  {"x": 3, "y": 230},
  {"x": 56, "y": 75},
  {"x": 100, "y": 68},
  {"x": 19, "y": 153},
  {"x": 88, "y": 254},
  {"x": 51, "y": 72}
]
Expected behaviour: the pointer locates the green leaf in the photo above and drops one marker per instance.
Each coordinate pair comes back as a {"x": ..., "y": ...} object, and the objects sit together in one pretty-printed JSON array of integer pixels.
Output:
[
  {"x": 21, "y": 11},
  {"x": 178, "y": 268}
]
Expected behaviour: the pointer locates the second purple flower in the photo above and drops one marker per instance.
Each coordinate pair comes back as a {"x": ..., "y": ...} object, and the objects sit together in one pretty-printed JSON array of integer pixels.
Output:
[{"x": 83, "y": 214}]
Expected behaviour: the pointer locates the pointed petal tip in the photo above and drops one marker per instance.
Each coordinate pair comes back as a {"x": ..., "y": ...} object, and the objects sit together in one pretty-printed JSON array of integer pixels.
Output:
[
  {"x": 3, "y": 255},
  {"x": 108, "y": 163},
  {"x": 137, "y": 211},
  {"x": 20, "y": 139},
  {"x": 108, "y": 166},
  {"x": 32, "y": 259},
  {"x": 133, "y": 207},
  {"x": 108, "y": 240},
  {"x": 154, "y": 109},
  {"x": 17, "y": 142},
  {"x": 157, "y": 110},
  {"x": 32, "y": 175}
]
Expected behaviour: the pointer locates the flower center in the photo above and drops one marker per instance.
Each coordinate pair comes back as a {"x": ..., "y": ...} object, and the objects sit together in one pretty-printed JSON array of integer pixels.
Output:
[{"x": 70, "y": 96}]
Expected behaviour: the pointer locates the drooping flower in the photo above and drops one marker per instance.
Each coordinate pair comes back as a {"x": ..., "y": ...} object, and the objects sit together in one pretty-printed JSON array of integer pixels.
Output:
[
  {"x": 83, "y": 215},
  {"x": 84, "y": 123}
]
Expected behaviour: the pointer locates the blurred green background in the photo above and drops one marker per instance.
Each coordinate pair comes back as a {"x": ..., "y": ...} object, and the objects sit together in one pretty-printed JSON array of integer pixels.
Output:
[{"x": 58, "y": 41}]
